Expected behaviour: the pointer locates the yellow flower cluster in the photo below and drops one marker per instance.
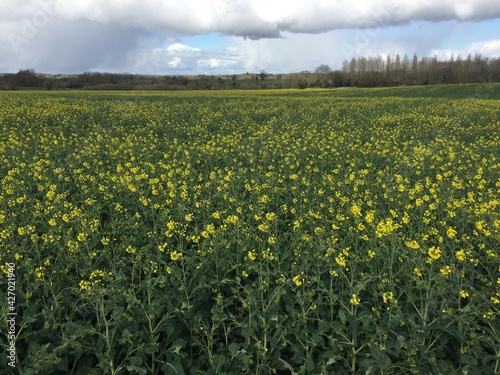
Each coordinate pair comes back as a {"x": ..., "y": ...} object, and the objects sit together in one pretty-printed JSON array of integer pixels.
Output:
[
  {"x": 355, "y": 301},
  {"x": 387, "y": 297},
  {"x": 96, "y": 278},
  {"x": 434, "y": 253},
  {"x": 386, "y": 227},
  {"x": 298, "y": 279}
]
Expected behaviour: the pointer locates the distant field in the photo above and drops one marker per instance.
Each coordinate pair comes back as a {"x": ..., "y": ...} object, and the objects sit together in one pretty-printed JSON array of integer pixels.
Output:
[
  {"x": 469, "y": 91},
  {"x": 273, "y": 232}
]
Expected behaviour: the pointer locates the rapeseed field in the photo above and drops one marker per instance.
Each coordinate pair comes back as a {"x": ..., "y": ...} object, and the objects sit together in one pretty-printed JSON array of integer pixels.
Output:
[{"x": 250, "y": 233}]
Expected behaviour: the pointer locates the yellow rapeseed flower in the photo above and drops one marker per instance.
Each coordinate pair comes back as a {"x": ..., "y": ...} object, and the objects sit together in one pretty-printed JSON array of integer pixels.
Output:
[
  {"x": 356, "y": 210},
  {"x": 434, "y": 253},
  {"x": 270, "y": 216},
  {"x": 130, "y": 249},
  {"x": 451, "y": 233},
  {"x": 84, "y": 285},
  {"x": 480, "y": 225},
  {"x": 386, "y": 227},
  {"x": 446, "y": 270},
  {"x": 413, "y": 244},
  {"x": 263, "y": 227},
  {"x": 252, "y": 255},
  {"x": 387, "y": 297},
  {"x": 460, "y": 255},
  {"x": 489, "y": 315},
  {"x": 39, "y": 272},
  {"x": 175, "y": 255},
  {"x": 264, "y": 199},
  {"x": 232, "y": 219},
  {"x": 298, "y": 280},
  {"x": 355, "y": 301},
  {"x": 340, "y": 260}
]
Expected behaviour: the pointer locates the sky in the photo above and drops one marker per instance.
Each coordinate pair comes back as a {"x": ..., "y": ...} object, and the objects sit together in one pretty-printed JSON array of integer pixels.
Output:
[{"x": 189, "y": 37}]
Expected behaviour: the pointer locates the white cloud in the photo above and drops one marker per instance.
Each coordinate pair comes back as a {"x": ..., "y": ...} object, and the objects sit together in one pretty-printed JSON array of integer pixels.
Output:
[
  {"x": 487, "y": 48},
  {"x": 181, "y": 48},
  {"x": 183, "y": 59},
  {"x": 214, "y": 63},
  {"x": 174, "y": 63}
]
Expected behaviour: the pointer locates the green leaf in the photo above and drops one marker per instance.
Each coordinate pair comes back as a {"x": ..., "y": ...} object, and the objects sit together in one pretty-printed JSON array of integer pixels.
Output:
[
  {"x": 173, "y": 367},
  {"x": 331, "y": 361},
  {"x": 342, "y": 316},
  {"x": 150, "y": 349},
  {"x": 233, "y": 349},
  {"x": 218, "y": 362},
  {"x": 288, "y": 366},
  {"x": 136, "y": 370},
  {"x": 177, "y": 345},
  {"x": 309, "y": 364},
  {"x": 135, "y": 360},
  {"x": 317, "y": 338},
  {"x": 376, "y": 353},
  {"x": 324, "y": 327}
]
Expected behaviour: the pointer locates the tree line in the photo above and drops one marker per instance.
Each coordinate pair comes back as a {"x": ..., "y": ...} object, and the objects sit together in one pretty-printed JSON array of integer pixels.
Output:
[
  {"x": 29, "y": 79},
  {"x": 23, "y": 78},
  {"x": 368, "y": 71},
  {"x": 396, "y": 70}
]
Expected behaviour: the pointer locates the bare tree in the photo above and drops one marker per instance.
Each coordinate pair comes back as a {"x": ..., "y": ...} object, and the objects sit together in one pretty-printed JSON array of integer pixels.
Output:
[
  {"x": 405, "y": 65},
  {"x": 323, "y": 69},
  {"x": 323, "y": 75},
  {"x": 414, "y": 69}
]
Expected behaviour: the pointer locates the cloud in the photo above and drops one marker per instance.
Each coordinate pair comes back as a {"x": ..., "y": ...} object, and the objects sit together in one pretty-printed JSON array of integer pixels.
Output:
[
  {"x": 214, "y": 63},
  {"x": 67, "y": 47},
  {"x": 487, "y": 48},
  {"x": 150, "y": 36},
  {"x": 182, "y": 59},
  {"x": 253, "y": 19},
  {"x": 175, "y": 62},
  {"x": 181, "y": 48}
]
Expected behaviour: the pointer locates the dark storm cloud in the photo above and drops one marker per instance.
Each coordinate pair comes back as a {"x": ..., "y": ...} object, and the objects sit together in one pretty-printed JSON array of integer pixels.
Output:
[{"x": 252, "y": 18}]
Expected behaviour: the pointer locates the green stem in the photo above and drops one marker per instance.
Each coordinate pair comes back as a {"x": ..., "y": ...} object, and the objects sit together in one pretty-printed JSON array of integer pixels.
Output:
[{"x": 151, "y": 333}]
